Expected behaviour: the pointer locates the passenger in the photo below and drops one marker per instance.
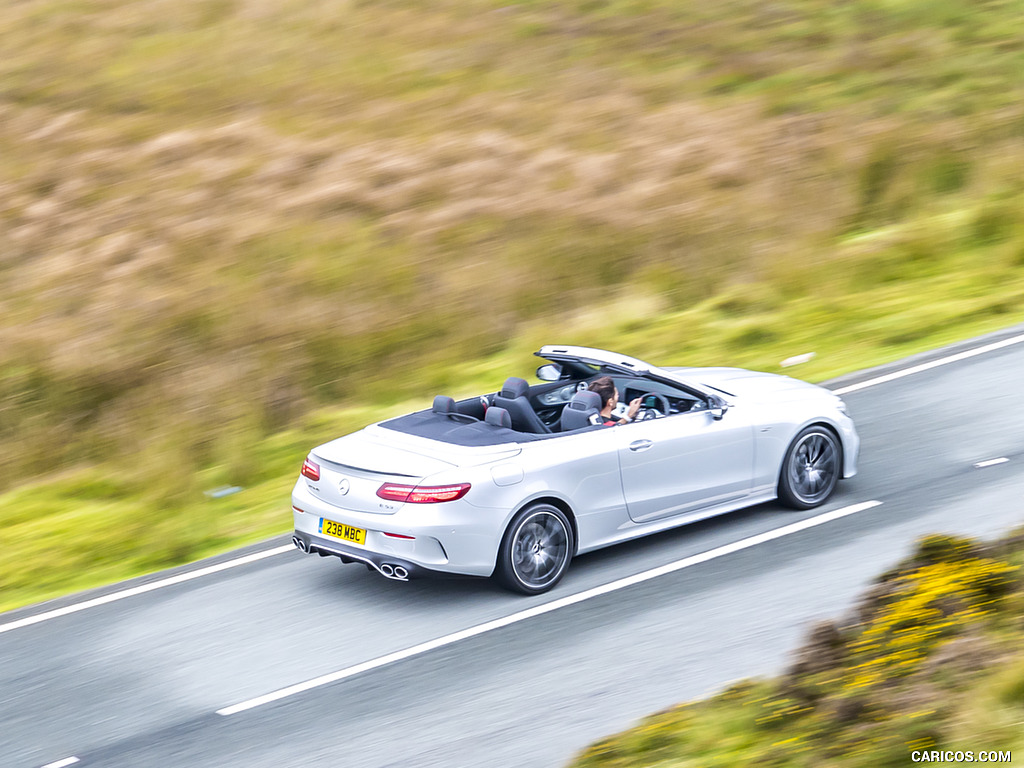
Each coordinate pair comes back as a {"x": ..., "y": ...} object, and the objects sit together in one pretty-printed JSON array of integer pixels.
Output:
[{"x": 606, "y": 388}]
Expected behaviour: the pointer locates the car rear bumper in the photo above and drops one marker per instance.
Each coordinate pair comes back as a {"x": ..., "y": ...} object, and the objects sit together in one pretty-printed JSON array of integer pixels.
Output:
[
  {"x": 387, "y": 565},
  {"x": 453, "y": 538}
]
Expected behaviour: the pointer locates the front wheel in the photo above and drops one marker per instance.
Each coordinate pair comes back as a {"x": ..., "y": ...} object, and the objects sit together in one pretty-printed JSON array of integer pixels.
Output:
[
  {"x": 535, "y": 550},
  {"x": 811, "y": 468}
]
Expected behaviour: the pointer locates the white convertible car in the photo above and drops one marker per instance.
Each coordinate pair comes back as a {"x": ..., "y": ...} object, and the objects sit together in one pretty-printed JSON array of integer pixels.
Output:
[{"x": 515, "y": 483}]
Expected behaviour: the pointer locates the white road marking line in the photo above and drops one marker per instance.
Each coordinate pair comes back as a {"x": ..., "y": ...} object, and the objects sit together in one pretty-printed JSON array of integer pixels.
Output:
[
  {"x": 554, "y": 605},
  {"x": 250, "y": 558},
  {"x": 928, "y": 366},
  {"x": 142, "y": 589},
  {"x": 991, "y": 462},
  {"x": 62, "y": 763}
]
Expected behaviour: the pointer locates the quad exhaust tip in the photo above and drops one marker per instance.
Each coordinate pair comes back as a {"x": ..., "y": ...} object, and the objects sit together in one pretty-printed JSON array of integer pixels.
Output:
[{"x": 396, "y": 572}]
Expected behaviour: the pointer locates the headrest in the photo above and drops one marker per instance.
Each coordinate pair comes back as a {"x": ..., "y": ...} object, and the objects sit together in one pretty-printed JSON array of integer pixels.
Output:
[
  {"x": 582, "y": 411},
  {"x": 515, "y": 387},
  {"x": 444, "y": 404},
  {"x": 585, "y": 400},
  {"x": 498, "y": 417}
]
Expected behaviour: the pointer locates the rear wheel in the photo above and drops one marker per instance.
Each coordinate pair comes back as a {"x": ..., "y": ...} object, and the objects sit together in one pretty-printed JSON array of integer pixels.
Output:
[
  {"x": 811, "y": 468},
  {"x": 535, "y": 550}
]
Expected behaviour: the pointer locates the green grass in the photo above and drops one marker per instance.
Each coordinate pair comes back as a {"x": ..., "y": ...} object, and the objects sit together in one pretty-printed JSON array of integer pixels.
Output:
[
  {"x": 222, "y": 220},
  {"x": 94, "y": 526}
]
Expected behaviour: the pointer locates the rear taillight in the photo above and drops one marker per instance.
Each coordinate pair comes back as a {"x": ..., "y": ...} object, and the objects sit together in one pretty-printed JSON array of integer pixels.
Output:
[
  {"x": 395, "y": 492},
  {"x": 311, "y": 469},
  {"x": 422, "y": 494}
]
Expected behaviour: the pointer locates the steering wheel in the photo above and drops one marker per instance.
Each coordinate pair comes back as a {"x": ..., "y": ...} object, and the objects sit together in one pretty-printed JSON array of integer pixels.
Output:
[{"x": 646, "y": 413}]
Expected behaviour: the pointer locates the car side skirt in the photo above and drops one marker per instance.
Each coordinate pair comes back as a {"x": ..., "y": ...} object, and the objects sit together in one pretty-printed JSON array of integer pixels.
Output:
[{"x": 636, "y": 531}]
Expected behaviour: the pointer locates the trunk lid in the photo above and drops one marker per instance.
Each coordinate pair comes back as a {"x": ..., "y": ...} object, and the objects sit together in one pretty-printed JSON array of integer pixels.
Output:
[{"x": 354, "y": 467}]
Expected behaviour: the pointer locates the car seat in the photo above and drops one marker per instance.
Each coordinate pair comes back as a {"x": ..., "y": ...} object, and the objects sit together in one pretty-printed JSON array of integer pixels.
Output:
[
  {"x": 445, "y": 406},
  {"x": 513, "y": 399},
  {"x": 581, "y": 411},
  {"x": 498, "y": 417}
]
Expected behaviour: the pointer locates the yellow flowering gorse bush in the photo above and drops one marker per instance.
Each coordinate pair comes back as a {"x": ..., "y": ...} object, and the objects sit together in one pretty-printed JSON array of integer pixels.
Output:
[{"x": 930, "y": 603}]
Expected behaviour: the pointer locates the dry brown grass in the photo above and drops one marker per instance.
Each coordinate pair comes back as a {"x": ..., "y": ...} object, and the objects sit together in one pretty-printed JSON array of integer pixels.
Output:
[{"x": 218, "y": 215}]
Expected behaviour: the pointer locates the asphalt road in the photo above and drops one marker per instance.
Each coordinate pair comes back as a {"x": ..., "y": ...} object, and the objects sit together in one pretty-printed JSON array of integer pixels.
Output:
[{"x": 148, "y": 679}]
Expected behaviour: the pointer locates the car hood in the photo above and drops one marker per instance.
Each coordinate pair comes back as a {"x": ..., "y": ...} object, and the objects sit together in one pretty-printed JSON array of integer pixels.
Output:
[{"x": 754, "y": 385}]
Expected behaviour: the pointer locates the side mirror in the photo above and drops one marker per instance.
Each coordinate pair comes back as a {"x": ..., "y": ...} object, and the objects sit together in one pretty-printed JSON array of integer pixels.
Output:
[
  {"x": 549, "y": 372},
  {"x": 717, "y": 407}
]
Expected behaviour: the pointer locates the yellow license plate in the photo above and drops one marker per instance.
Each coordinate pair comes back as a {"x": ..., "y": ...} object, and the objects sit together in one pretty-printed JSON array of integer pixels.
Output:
[{"x": 343, "y": 532}]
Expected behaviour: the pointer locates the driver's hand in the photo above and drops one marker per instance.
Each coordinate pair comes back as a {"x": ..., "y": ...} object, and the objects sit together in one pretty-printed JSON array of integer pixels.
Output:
[{"x": 634, "y": 406}]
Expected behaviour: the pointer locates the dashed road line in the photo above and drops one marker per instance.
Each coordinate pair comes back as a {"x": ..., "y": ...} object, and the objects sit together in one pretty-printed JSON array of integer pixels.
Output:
[
  {"x": 62, "y": 763},
  {"x": 991, "y": 462}
]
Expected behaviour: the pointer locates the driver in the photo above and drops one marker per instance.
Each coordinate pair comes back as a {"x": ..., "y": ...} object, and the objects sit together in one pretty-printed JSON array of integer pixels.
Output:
[{"x": 609, "y": 393}]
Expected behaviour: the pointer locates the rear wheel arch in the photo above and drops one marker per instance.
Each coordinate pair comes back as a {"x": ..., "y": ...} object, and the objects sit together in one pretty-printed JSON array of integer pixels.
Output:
[
  {"x": 562, "y": 505},
  {"x": 537, "y": 546}
]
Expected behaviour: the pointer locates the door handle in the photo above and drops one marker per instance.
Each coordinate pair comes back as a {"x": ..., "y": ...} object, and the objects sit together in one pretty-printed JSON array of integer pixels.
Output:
[{"x": 640, "y": 445}]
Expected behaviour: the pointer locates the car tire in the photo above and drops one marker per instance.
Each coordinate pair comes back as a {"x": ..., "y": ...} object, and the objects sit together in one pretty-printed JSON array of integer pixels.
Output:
[
  {"x": 536, "y": 550},
  {"x": 811, "y": 468}
]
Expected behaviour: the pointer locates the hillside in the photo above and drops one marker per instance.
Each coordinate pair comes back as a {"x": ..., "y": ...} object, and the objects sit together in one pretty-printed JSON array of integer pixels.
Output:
[{"x": 232, "y": 227}]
